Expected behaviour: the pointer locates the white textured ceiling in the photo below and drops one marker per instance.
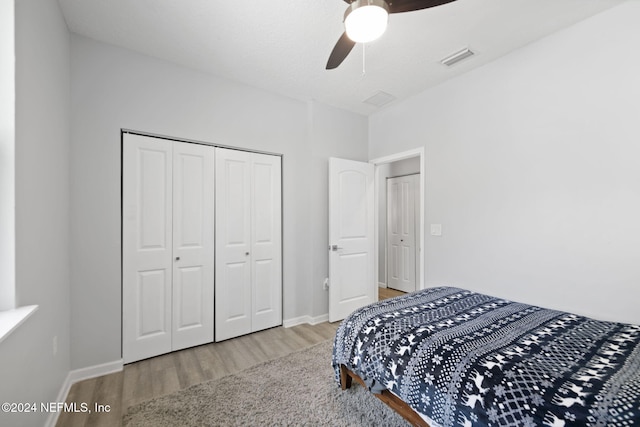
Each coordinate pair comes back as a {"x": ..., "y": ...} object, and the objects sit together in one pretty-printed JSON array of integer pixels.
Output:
[{"x": 283, "y": 45}]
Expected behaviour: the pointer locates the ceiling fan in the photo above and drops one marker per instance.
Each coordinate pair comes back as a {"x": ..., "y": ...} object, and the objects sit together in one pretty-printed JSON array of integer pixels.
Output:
[{"x": 366, "y": 20}]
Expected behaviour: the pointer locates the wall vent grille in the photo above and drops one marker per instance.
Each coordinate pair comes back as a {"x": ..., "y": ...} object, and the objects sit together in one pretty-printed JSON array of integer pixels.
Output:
[
  {"x": 457, "y": 57},
  {"x": 379, "y": 99}
]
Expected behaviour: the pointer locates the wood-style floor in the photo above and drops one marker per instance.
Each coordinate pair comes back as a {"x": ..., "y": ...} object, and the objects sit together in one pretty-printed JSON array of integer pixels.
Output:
[
  {"x": 175, "y": 371},
  {"x": 384, "y": 293}
]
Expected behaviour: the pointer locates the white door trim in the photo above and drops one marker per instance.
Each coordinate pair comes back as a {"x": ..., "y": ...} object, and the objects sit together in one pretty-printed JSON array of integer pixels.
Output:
[{"x": 417, "y": 152}]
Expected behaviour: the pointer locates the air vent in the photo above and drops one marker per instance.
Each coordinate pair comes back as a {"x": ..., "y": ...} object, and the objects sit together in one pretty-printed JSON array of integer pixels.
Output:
[
  {"x": 457, "y": 57},
  {"x": 379, "y": 99}
]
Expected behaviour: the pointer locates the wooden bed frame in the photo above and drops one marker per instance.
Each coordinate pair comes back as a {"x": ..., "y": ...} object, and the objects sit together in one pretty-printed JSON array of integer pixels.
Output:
[{"x": 390, "y": 399}]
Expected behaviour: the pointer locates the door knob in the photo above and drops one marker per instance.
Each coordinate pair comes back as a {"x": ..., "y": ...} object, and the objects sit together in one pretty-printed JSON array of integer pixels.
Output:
[
  {"x": 246, "y": 253},
  {"x": 177, "y": 258}
]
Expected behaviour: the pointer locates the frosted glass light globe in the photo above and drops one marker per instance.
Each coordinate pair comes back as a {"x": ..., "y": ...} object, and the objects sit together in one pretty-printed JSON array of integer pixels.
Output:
[{"x": 366, "y": 20}]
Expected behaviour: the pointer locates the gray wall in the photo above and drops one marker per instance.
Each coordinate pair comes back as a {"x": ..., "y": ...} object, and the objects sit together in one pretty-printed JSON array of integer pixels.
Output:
[
  {"x": 113, "y": 88},
  {"x": 29, "y": 371},
  {"x": 532, "y": 170}
]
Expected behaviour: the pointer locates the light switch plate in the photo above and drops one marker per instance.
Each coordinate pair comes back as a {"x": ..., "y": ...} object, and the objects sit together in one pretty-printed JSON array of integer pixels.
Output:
[{"x": 436, "y": 229}]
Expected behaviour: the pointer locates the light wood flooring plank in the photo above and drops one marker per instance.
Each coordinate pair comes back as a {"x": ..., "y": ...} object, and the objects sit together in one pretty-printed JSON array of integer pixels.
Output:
[
  {"x": 188, "y": 371},
  {"x": 105, "y": 398},
  {"x": 210, "y": 363},
  {"x": 384, "y": 293},
  {"x": 80, "y": 392}
]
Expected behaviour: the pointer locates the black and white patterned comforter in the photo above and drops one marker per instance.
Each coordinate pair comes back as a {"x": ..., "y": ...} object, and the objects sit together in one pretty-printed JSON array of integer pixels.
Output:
[{"x": 460, "y": 358}]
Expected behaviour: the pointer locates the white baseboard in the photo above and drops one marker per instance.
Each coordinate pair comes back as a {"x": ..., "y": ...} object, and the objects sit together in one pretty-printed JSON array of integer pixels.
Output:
[
  {"x": 288, "y": 323},
  {"x": 320, "y": 319},
  {"x": 80, "y": 375},
  {"x": 96, "y": 371},
  {"x": 52, "y": 419},
  {"x": 382, "y": 285}
]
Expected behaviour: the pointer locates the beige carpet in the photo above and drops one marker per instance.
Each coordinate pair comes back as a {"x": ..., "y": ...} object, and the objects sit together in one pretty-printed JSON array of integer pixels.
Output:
[{"x": 296, "y": 390}]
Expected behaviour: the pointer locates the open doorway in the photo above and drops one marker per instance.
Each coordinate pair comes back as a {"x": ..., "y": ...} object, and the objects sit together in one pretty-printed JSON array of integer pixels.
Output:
[{"x": 400, "y": 264}]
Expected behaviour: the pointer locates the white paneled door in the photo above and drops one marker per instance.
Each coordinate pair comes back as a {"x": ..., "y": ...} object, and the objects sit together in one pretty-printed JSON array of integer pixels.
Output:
[
  {"x": 351, "y": 237},
  {"x": 233, "y": 244},
  {"x": 147, "y": 247},
  {"x": 401, "y": 232},
  {"x": 193, "y": 244},
  {"x": 266, "y": 241},
  {"x": 168, "y": 246},
  {"x": 248, "y": 243}
]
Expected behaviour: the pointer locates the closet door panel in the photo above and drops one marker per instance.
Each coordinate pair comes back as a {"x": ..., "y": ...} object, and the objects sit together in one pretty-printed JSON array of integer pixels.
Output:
[
  {"x": 264, "y": 297},
  {"x": 266, "y": 246},
  {"x": 234, "y": 200},
  {"x": 233, "y": 300},
  {"x": 147, "y": 247},
  {"x": 193, "y": 248},
  {"x": 189, "y": 288},
  {"x": 233, "y": 244},
  {"x": 265, "y": 203},
  {"x": 152, "y": 303}
]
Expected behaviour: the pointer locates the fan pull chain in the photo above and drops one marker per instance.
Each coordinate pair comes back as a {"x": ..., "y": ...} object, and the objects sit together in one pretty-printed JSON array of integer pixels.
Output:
[{"x": 364, "y": 71}]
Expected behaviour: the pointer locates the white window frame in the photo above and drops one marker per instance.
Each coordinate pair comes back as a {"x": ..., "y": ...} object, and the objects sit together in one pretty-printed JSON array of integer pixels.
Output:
[{"x": 10, "y": 316}]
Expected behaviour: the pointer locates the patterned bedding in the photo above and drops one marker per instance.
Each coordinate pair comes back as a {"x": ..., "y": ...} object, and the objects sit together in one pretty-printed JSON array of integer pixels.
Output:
[{"x": 460, "y": 358}]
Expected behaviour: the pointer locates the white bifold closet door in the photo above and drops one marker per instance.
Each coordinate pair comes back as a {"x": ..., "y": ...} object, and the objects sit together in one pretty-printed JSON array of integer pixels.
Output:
[
  {"x": 248, "y": 243},
  {"x": 168, "y": 246}
]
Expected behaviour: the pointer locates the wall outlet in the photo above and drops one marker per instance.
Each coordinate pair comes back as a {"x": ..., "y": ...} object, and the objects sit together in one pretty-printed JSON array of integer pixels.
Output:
[
  {"x": 55, "y": 345},
  {"x": 325, "y": 284}
]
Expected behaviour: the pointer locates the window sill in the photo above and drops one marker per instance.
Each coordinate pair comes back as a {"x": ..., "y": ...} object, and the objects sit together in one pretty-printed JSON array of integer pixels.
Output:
[{"x": 11, "y": 319}]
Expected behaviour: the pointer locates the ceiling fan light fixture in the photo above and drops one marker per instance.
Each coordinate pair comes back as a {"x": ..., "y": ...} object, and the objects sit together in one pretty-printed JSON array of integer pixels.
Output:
[{"x": 366, "y": 20}]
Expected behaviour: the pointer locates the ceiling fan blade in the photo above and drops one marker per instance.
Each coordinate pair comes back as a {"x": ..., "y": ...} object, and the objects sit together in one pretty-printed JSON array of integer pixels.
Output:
[
  {"x": 398, "y": 6},
  {"x": 340, "y": 51}
]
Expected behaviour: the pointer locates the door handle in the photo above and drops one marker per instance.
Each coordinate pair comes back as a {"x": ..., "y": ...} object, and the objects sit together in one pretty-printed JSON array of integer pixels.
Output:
[
  {"x": 334, "y": 248},
  {"x": 177, "y": 258}
]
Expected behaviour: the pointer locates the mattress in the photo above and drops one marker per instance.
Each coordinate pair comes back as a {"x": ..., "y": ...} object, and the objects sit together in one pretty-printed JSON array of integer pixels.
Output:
[{"x": 461, "y": 358}]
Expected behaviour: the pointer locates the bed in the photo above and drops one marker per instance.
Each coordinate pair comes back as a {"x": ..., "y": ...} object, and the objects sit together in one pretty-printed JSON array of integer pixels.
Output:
[{"x": 451, "y": 357}]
